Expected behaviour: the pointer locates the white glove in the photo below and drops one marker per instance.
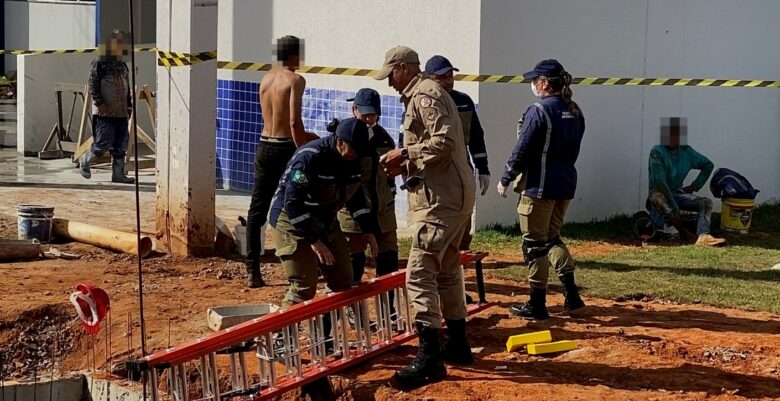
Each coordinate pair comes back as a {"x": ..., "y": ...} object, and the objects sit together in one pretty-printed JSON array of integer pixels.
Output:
[
  {"x": 502, "y": 189},
  {"x": 484, "y": 183}
]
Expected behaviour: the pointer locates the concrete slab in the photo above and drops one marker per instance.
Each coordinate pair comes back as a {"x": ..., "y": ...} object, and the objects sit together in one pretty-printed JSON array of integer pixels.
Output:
[{"x": 60, "y": 389}]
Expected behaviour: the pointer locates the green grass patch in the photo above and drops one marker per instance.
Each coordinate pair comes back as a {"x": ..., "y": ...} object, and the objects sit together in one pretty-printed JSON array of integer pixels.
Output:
[{"x": 736, "y": 276}]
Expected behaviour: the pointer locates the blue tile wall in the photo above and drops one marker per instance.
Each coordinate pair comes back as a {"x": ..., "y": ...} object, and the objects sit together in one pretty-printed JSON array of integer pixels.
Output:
[{"x": 239, "y": 123}]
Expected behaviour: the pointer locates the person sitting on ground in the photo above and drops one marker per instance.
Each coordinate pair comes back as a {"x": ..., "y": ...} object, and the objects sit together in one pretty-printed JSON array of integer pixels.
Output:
[{"x": 669, "y": 165}]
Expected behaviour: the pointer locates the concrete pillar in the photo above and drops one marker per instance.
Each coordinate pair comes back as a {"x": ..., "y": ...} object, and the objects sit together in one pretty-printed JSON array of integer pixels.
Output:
[{"x": 186, "y": 103}]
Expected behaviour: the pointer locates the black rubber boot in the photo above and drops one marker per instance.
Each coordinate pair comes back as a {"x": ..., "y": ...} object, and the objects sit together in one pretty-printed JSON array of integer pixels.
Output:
[
  {"x": 318, "y": 390},
  {"x": 457, "y": 350},
  {"x": 535, "y": 308},
  {"x": 358, "y": 266},
  {"x": 253, "y": 277},
  {"x": 428, "y": 366},
  {"x": 571, "y": 293},
  {"x": 327, "y": 327},
  {"x": 84, "y": 161},
  {"x": 118, "y": 171}
]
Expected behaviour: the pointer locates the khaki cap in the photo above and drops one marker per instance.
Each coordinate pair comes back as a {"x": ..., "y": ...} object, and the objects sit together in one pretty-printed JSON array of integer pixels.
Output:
[{"x": 393, "y": 57}]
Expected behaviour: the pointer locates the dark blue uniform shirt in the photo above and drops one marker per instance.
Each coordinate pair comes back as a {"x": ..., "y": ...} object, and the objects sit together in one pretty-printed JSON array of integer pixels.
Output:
[
  {"x": 317, "y": 183},
  {"x": 547, "y": 148}
]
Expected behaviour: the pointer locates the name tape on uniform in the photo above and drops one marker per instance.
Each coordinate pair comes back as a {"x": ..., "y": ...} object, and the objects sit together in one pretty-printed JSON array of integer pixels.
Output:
[{"x": 180, "y": 59}]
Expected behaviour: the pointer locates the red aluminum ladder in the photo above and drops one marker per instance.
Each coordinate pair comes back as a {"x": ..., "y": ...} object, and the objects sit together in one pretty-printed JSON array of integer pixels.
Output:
[{"x": 290, "y": 345}]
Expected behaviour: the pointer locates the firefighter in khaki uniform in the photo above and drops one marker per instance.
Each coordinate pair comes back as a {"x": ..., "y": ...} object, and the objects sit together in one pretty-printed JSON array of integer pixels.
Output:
[{"x": 441, "y": 197}]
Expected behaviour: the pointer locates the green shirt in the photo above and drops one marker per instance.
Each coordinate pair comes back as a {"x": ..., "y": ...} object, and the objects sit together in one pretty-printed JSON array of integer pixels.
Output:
[{"x": 668, "y": 169}]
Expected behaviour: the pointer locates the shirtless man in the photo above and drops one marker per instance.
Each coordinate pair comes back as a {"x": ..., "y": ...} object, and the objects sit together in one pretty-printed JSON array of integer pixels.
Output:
[{"x": 281, "y": 93}]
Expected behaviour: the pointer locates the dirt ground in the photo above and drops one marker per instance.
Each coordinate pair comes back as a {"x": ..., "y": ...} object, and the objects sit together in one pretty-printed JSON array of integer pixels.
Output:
[{"x": 627, "y": 349}]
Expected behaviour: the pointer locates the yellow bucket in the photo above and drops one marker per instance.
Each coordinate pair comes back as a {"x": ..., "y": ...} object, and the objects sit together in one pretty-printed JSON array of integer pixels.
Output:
[{"x": 736, "y": 215}]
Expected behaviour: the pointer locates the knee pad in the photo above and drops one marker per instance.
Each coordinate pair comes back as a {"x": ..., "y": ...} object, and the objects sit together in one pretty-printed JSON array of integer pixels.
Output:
[
  {"x": 386, "y": 262},
  {"x": 534, "y": 249},
  {"x": 554, "y": 242}
]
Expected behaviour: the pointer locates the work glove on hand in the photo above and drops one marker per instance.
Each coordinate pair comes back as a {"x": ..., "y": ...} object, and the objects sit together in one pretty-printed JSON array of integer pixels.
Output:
[
  {"x": 502, "y": 189},
  {"x": 484, "y": 183}
]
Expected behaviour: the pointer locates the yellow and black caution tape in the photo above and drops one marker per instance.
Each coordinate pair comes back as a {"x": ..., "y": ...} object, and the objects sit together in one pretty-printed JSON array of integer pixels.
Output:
[
  {"x": 178, "y": 59},
  {"x": 518, "y": 79},
  {"x": 67, "y": 51}
]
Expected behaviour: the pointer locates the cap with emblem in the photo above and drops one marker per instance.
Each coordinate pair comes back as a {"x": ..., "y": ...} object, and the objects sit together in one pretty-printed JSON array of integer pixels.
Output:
[
  {"x": 355, "y": 133},
  {"x": 395, "y": 56},
  {"x": 545, "y": 68},
  {"x": 367, "y": 101},
  {"x": 438, "y": 65}
]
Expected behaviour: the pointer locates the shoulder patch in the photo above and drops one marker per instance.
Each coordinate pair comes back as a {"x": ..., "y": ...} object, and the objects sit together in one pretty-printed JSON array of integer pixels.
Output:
[
  {"x": 425, "y": 101},
  {"x": 299, "y": 177}
]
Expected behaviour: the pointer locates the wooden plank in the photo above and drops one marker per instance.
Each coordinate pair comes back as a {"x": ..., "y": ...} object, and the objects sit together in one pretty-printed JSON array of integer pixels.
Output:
[
  {"x": 82, "y": 149},
  {"x": 85, "y": 120},
  {"x": 144, "y": 137},
  {"x": 63, "y": 87}
]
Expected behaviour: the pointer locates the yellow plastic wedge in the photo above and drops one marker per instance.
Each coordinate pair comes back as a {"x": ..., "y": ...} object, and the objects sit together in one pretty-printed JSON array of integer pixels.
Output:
[
  {"x": 516, "y": 342},
  {"x": 548, "y": 348}
]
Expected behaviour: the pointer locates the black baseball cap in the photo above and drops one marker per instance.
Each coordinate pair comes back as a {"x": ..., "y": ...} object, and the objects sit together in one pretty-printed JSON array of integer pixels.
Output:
[
  {"x": 367, "y": 101},
  {"x": 355, "y": 133},
  {"x": 438, "y": 65},
  {"x": 546, "y": 68}
]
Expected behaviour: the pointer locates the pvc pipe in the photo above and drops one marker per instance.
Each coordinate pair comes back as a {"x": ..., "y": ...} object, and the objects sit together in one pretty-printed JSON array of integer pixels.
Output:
[{"x": 102, "y": 237}]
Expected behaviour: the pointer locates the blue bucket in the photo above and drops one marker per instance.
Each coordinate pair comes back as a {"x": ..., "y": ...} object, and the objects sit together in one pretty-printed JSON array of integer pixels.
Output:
[{"x": 35, "y": 222}]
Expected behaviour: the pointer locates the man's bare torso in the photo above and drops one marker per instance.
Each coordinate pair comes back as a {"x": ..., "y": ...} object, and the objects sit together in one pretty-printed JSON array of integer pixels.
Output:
[{"x": 275, "y": 91}]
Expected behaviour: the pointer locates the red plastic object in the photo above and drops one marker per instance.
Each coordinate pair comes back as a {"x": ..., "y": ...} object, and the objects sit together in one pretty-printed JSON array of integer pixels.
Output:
[
  {"x": 92, "y": 305},
  {"x": 467, "y": 257}
]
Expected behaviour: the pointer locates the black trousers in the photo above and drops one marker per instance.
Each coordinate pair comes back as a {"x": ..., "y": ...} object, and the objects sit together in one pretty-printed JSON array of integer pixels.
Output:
[{"x": 270, "y": 162}]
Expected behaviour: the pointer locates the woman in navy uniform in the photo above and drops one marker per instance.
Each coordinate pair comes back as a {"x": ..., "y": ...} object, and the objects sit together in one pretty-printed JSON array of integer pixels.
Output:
[{"x": 547, "y": 148}]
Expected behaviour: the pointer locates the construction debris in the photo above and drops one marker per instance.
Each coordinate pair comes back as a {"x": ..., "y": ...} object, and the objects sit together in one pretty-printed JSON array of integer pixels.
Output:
[{"x": 56, "y": 253}]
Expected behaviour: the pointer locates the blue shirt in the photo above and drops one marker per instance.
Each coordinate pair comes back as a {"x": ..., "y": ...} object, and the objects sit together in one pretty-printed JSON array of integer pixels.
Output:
[
  {"x": 472, "y": 131},
  {"x": 316, "y": 184},
  {"x": 547, "y": 148}
]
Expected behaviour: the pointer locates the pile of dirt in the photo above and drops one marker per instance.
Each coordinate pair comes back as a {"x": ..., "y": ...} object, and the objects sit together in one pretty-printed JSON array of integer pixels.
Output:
[
  {"x": 37, "y": 340},
  {"x": 7, "y": 227}
]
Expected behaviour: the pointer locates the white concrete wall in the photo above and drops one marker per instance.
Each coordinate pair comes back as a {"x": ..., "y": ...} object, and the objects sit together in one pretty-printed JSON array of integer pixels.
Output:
[
  {"x": 735, "y": 127},
  {"x": 36, "y": 103},
  {"x": 38, "y": 26},
  {"x": 350, "y": 33}
]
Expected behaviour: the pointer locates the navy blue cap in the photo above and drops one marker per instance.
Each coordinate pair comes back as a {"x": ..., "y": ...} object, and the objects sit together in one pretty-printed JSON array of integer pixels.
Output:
[
  {"x": 438, "y": 65},
  {"x": 545, "y": 68},
  {"x": 367, "y": 101},
  {"x": 355, "y": 133}
]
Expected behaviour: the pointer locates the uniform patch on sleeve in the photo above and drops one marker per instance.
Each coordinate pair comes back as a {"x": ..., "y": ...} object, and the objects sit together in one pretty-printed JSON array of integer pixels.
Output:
[
  {"x": 425, "y": 101},
  {"x": 299, "y": 177},
  {"x": 431, "y": 114}
]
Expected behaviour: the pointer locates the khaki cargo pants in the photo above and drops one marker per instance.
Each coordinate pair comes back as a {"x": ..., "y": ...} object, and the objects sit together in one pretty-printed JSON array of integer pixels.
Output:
[
  {"x": 302, "y": 266},
  {"x": 434, "y": 276},
  {"x": 541, "y": 221}
]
